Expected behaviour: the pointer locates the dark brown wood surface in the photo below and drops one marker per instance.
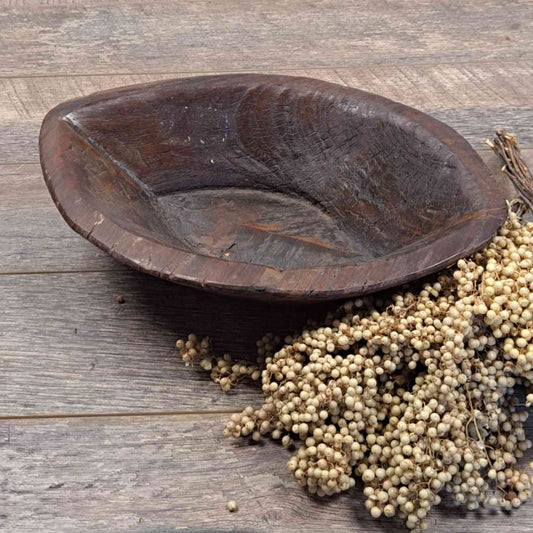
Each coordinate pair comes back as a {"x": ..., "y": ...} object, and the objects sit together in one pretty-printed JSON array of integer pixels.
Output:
[
  {"x": 466, "y": 63},
  {"x": 267, "y": 186}
]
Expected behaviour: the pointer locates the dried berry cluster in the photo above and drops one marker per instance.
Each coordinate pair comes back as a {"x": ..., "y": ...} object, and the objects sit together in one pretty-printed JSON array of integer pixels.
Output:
[
  {"x": 224, "y": 371},
  {"x": 415, "y": 393}
]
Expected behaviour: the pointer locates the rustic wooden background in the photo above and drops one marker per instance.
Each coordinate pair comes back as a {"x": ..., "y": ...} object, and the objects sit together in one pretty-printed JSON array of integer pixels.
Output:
[{"x": 101, "y": 428}]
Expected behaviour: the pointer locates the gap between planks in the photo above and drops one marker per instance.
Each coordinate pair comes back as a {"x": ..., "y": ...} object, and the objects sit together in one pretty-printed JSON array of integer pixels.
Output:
[
  {"x": 185, "y": 415},
  {"x": 45, "y": 272},
  {"x": 262, "y": 70}
]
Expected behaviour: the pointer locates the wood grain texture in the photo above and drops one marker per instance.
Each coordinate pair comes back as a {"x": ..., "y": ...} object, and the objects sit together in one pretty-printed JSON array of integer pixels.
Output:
[
  {"x": 66, "y": 37},
  {"x": 67, "y": 346},
  {"x": 268, "y": 186},
  {"x": 474, "y": 97},
  {"x": 34, "y": 237},
  {"x": 465, "y": 63},
  {"x": 170, "y": 473}
]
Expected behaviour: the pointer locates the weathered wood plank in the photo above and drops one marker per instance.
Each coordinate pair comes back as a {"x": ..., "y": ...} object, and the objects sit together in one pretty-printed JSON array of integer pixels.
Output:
[
  {"x": 163, "y": 473},
  {"x": 67, "y": 346},
  {"x": 34, "y": 238},
  {"x": 474, "y": 98},
  {"x": 95, "y": 37},
  {"x": 478, "y": 123}
]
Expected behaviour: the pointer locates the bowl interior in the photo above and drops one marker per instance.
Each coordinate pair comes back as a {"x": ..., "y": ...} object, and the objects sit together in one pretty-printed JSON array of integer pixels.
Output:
[{"x": 272, "y": 174}]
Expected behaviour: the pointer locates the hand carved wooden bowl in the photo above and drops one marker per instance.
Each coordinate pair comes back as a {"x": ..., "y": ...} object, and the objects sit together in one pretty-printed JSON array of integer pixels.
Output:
[{"x": 268, "y": 186}]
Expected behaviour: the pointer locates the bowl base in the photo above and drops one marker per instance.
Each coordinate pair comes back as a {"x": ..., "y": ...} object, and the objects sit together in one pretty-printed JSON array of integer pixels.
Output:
[{"x": 260, "y": 227}]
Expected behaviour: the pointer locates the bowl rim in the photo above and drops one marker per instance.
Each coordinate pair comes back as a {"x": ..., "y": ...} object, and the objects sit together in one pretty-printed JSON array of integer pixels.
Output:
[{"x": 261, "y": 281}]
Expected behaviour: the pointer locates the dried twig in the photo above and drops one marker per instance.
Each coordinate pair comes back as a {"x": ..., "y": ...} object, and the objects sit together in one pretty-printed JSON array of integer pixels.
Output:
[{"x": 506, "y": 146}]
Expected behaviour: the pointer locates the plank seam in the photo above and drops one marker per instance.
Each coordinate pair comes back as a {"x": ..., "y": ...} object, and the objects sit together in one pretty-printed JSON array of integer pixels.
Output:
[
  {"x": 283, "y": 69},
  {"x": 45, "y": 416},
  {"x": 44, "y": 272}
]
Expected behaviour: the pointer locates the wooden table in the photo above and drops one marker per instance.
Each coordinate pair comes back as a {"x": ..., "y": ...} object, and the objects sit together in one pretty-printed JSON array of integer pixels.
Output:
[{"x": 102, "y": 428}]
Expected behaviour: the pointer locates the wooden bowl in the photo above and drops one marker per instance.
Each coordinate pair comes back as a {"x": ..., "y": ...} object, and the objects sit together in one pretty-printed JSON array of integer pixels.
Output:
[{"x": 268, "y": 186}]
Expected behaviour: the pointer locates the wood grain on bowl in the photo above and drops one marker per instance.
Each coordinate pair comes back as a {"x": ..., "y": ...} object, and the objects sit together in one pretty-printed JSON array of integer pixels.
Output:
[{"x": 268, "y": 186}]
